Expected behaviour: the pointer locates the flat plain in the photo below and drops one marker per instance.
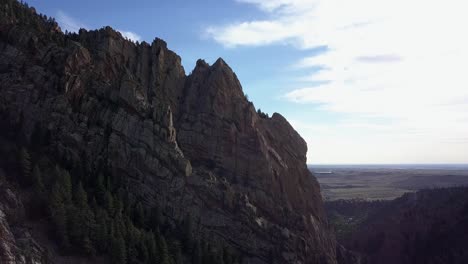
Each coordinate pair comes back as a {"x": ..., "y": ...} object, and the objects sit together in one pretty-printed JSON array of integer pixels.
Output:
[{"x": 385, "y": 182}]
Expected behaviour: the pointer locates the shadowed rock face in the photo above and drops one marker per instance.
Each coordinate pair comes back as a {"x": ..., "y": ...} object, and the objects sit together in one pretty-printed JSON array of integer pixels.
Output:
[
  {"x": 263, "y": 160},
  {"x": 428, "y": 226},
  {"x": 191, "y": 144}
]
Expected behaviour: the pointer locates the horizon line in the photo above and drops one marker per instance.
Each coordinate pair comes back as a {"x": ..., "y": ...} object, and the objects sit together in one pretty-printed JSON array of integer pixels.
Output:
[{"x": 353, "y": 164}]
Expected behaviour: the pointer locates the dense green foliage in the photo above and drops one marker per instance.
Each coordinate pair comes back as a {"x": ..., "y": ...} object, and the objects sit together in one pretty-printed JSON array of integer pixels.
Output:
[
  {"x": 347, "y": 215},
  {"x": 96, "y": 215}
]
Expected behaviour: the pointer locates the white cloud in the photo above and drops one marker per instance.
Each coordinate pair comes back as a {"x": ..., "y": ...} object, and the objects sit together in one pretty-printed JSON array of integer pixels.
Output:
[
  {"x": 401, "y": 60},
  {"x": 69, "y": 23},
  {"x": 72, "y": 24},
  {"x": 130, "y": 35}
]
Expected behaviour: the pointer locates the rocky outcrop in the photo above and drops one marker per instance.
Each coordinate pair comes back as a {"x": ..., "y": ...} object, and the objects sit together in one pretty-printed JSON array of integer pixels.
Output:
[
  {"x": 191, "y": 144},
  {"x": 262, "y": 160},
  {"x": 16, "y": 244}
]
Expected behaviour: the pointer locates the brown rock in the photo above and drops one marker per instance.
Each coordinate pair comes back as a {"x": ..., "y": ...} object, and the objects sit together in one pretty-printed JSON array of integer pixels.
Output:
[{"x": 106, "y": 101}]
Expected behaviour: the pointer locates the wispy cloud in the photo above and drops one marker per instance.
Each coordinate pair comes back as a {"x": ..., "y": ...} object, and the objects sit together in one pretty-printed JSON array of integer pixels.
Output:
[
  {"x": 404, "y": 60},
  {"x": 71, "y": 24},
  {"x": 383, "y": 58},
  {"x": 130, "y": 35}
]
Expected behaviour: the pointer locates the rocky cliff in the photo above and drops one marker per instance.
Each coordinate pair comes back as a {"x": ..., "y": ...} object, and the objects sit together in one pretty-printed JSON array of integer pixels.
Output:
[
  {"x": 428, "y": 226},
  {"x": 16, "y": 244},
  {"x": 192, "y": 145}
]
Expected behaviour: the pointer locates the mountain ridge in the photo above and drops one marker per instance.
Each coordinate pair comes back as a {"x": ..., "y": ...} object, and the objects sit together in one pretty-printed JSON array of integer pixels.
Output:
[{"x": 192, "y": 145}]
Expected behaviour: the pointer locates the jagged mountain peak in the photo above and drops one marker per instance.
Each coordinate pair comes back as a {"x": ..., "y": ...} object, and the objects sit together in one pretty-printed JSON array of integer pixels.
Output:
[
  {"x": 219, "y": 63},
  {"x": 191, "y": 145},
  {"x": 218, "y": 76},
  {"x": 201, "y": 63}
]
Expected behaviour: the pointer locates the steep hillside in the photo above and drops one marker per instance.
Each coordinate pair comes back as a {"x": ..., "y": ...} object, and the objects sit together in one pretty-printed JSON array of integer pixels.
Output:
[
  {"x": 113, "y": 139},
  {"x": 429, "y": 226}
]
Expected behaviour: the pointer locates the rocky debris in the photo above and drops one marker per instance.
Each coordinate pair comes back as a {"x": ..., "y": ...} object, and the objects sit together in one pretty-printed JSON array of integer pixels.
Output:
[
  {"x": 191, "y": 144},
  {"x": 7, "y": 243},
  {"x": 16, "y": 244}
]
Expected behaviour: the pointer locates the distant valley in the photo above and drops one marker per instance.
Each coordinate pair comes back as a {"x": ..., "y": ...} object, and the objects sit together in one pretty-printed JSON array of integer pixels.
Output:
[
  {"x": 398, "y": 213},
  {"x": 385, "y": 182}
]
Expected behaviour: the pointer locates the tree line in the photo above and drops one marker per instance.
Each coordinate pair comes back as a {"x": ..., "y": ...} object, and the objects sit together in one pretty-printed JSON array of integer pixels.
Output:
[{"x": 97, "y": 216}]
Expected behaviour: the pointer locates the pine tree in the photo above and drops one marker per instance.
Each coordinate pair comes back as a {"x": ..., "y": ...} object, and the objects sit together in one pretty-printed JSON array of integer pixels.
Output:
[
  {"x": 139, "y": 215},
  {"x": 118, "y": 206},
  {"x": 131, "y": 239},
  {"x": 176, "y": 252},
  {"x": 227, "y": 256},
  {"x": 38, "y": 181},
  {"x": 75, "y": 225},
  {"x": 143, "y": 251},
  {"x": 197, "y": 253},
  {"x": 88, "y": 247},
  {"x": 118, "y": 249},
  {"x": 63, "y": 178},
  {"x": 156, "y": 219},
  {"x": 93, "y": 204},
  {"x": 152, "y": 248},
  {"x": 188, "y": 233},
  {"x": 102, "y": 238},
  {"x": 109, "y": 203},
  {"x": 58, "y": 215},
  {"x": 101, "y": 191},
  {"x": 88, "y": 235},
  {"x": 80, "y": 197},
  {"x": 25, "y": 161},
  {"x": 164, "y": 257}
]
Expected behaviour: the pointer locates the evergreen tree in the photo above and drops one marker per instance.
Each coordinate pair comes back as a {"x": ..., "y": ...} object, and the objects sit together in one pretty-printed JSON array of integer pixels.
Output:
[
  {"x": 152, "y": 248},
  {"x": 118, "y": 249},
  {"x": 38, "y": 181},
  {"x": 101, "y": 234},
  {"x": 80, "y": 197},
  {"x": 118, "y": 206},
  {"x": 197, "y": 253},
  {"x": 227, "y": 256},
  {"x": 139, "y": 215},
  {"x": 101, "y": 190},
  {"x": 132, "y": 238},
  {"x": 109, "y": 203},
  {"x": 187, "y": 233},
  {"x": 176, "y": 252},
  {"x": 63, "y": 179},
  {"x": 25, "y": 161},
  {"x": 164, "y": 257},
  {"x": 58, "y": 214},
  {"x": 156, "y": 219},
  {"x": 88, "y": 247},
  {"x": 87, "y": 238},
  {"x": 143, "y": 251},
  {"x": 94, "y": 205},
  {"x": 75, "y": 225}
]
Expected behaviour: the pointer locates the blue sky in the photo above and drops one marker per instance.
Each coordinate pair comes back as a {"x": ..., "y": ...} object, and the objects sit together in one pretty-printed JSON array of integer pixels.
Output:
[{"x": 363, "y": 81}]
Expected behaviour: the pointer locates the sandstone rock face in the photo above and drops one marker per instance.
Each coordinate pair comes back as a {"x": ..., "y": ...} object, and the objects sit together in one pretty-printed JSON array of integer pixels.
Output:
[{"x": 191, "y": 144}]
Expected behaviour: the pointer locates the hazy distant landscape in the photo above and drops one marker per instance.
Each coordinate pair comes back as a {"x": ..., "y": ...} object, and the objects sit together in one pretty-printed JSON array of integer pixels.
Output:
[
  {"x": 374, "y": 182},
  {"x": 398, "y": 213}
]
